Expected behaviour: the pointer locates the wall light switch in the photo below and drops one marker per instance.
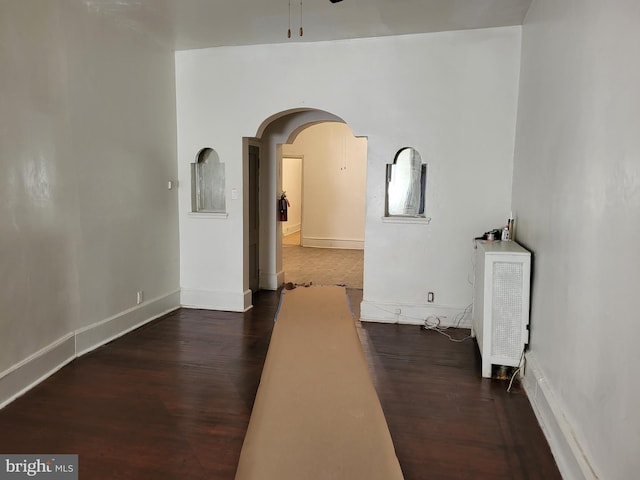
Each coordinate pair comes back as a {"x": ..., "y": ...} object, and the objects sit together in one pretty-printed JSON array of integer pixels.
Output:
[{"x": 234, "y": 194}]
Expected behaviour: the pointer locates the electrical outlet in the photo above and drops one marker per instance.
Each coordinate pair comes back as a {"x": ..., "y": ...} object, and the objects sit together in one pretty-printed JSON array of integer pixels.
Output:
[
  {"x": 398, "y": 311},
  {"x": 430, "y": 297},
  {"x": 139, "y": 297}
]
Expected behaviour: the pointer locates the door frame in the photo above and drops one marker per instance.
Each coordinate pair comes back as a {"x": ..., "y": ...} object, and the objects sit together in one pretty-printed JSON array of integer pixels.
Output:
[{"x": 248, "y": 142}]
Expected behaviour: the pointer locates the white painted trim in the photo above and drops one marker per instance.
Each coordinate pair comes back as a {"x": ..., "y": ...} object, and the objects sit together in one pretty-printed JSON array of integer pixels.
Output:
[
  {"x": 413, "y": 314},
  {"x": 289, "y": 229},
  {"x": 271, "y": 281},
  {"x": 397, "y": 219},
  {"x": 25, "y": 375},
  {"x": 28, "y": 373},
  {"x": 332, "y": 243},
  {"x": 214, "y": 299},
  {"x": 209, "y": 215},
  {"x": 572, "y": 462},
  {"x": 248, "y": 300},
  {"x": 95, "y": 335}
]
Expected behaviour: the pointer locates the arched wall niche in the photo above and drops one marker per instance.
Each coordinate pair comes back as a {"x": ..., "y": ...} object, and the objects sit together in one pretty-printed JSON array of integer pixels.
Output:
[
  {"x": 208, "y": 182},
  {"x": 406, "y": 184}
]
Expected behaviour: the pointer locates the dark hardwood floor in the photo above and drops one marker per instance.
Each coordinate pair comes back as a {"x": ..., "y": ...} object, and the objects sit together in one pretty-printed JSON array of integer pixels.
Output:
[{"x": 172, "y": 400}]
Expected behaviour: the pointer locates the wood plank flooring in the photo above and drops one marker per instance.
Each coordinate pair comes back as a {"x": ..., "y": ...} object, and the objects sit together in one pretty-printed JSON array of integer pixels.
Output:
[{"x": 172, "y": 400}]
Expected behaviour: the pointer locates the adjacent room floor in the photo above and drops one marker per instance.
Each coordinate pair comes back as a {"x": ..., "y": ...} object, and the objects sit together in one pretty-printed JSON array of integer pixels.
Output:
[{"x": 321, "y": 266}]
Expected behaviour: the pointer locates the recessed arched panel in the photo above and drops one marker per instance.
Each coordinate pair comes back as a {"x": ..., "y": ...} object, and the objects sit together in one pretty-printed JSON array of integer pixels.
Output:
[
  {"x": 208, "y": 183},
  {"x": 406, "y": 183}
]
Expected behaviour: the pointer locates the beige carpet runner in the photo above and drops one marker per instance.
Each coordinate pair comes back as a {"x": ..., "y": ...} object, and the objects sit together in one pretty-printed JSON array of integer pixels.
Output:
[{"x": 317, "y": 415}]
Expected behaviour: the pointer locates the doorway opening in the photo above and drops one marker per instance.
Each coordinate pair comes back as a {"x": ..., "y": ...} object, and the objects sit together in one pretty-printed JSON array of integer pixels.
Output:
[
  {"x": 323, "y": 175},
  {"x": 330, "y": 165}
]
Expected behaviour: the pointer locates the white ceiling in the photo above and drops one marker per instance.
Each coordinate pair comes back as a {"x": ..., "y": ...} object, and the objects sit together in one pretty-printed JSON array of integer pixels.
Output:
[{"x": 186, "y": 24}]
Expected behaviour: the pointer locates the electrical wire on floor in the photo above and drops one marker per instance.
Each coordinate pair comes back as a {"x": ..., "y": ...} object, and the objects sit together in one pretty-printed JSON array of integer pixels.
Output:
[
  {"x": 433, "y": 322},
  {"x": 516, "y": 371},
  {"x": 395, "y": 313}
]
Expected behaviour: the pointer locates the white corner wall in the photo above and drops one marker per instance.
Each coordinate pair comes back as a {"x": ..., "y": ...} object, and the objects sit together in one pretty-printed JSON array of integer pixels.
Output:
[
  {"x": 334, "y": 179},
  {"x": 87, "y": 145},
  {"x": 450, "y": 95},
  {"x": 292, "y": 185},
  {"x": 576, "y": 196}
]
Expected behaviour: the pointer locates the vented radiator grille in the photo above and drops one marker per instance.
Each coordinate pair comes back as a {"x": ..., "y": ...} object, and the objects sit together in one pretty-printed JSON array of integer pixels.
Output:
[
  {"x": 501, "y": 303},
  {"x": 506, "y": 312}
]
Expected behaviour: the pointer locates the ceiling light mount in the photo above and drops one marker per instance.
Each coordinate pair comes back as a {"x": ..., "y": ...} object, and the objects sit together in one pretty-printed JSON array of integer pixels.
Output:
[{"x": 300, "y": 31}]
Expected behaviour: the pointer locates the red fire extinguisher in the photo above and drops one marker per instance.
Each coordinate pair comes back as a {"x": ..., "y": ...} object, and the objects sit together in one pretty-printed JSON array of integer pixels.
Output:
[{"x": 283, "y": 205}]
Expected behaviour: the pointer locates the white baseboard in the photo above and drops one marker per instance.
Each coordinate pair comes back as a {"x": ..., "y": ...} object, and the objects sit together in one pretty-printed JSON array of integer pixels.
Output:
[
  {"x": 289, "y": 229},
  {"x": 215, "y": 299},
  {"x": 332, "y": 243},
  {"x": 28, "y": 373},
  {"x": 413, "y": 314},
  {"x": 271, "y": 281},
  {"x": 248, "y": 300},
  {"x": 569, "y": 456},
  {"x": 93, "y": 336},
  {"x": 25, "y": 375}
]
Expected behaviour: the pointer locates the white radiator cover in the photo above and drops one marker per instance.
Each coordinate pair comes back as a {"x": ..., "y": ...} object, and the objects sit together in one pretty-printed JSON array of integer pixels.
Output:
[{"x": 500, "y": 318}]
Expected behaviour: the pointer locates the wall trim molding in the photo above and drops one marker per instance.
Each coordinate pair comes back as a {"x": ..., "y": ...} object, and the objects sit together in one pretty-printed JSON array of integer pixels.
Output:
[
  {"x": 414, "y": 314},
  {"x": 248, "y": 300},
  {"x": 37, "y": 367},
  {"x": 289, "y": 229},
  {"x": 93, "y": 336},
  {"x": 332, "y": 243},
  {"x": 215, "y": 299},
  {"x": 271, "y": 281},
  {"x": 418, "y": 220},
  {"x": 570, "y": 457},
  {"x": 209, "y": 215},
  {"x": 23, "y": 376}
]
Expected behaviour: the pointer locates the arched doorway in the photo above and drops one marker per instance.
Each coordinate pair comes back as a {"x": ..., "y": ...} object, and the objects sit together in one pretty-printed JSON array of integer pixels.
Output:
[{"x": 275, "y": 136}]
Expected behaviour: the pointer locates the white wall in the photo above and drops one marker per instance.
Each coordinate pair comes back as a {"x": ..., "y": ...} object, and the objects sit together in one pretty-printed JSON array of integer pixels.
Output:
[
  {"x": 87, "y": 145},
  {"x": 292, "y": 185},
  {"x": 450, "y": 95},
  {"x": 335, "y": 171},
  {"x": 576, "y": 195}
]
